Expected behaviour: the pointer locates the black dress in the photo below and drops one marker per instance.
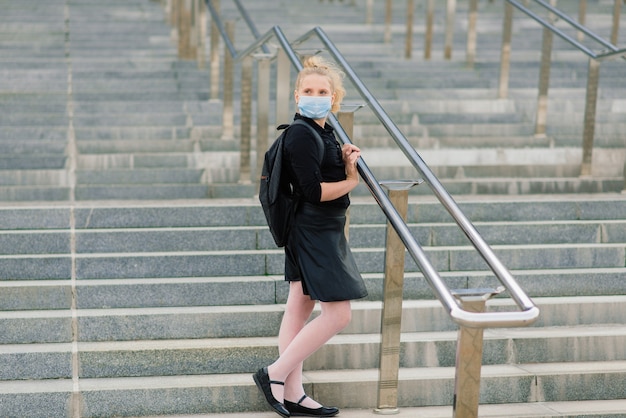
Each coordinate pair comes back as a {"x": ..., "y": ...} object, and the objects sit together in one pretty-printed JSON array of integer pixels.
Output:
[{"x": 317, "y": 252}]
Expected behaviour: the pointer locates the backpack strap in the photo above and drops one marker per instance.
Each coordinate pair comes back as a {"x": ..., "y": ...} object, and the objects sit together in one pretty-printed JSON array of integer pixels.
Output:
[{"x": 318, "y": 138}]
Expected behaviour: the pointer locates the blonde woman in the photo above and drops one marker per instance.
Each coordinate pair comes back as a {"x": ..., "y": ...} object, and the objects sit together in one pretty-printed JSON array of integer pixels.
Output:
[{"x": 319, "y": 265}]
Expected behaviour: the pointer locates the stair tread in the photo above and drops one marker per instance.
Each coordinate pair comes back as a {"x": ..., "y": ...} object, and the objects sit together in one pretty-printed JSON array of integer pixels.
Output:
[{"x": 317, "y": 377}]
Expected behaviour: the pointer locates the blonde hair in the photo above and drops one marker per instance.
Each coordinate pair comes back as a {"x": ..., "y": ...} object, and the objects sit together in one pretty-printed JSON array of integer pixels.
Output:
[{"x": 317, "y": 65}]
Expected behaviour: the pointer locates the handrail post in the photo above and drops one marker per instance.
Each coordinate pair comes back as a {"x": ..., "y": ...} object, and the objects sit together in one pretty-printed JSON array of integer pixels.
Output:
[
  {"x": 471, "y": 33},
  {"x": 591, "y": 98},
  {"x": 505, "y": 52},
  {"x": 428, "y": 36},
  {"x": 388, "y": 12},
  {"x": 184, "y": 24},
  {"x": 369, "y": 12},
  {"x": 582, "y": 16},
  {"x": 200, "y": 32},
  {"x": 283, "y": 87},
  {"x": 264, "y": 62},
  {"x": 617, "y": 6},
  {"x": 346, "y": 119},
  {"x": 469, "y": 353},
  {"x": 228, "y": 115},
  {"x": 215, "y": 55},
  {"x": 245, "y": 120},
  {"x": 408, "y": 46},
  {"x": 544, "y": 82},
  {"x": 450, "y": 15},
  {"x": 391, "y": 318}
]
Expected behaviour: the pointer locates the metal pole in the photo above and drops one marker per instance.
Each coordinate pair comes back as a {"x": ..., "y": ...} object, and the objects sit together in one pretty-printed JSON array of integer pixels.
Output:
[
  {"x": 617, "y": 5},
  {"x": 450, "y": 13},
  {"x": 346, "y": 120},
  {"x": 262, "y": 109},
  {"x": 408, "y": 47},
  {"x": 591, "y": 100},
  {"x": 215, "y": 55},
  {"x": 391, "y": 320},
  {"x": 245, "y": 120},
  {"x": 388, "y": 10},
  {"x": 169, "y": 12},
  {"x": 201, "y": 33},
  {"x": 184, "y": 29},
  {"x": 505, "y": 52},
  {"x": 174, "y": 20},
  {"x": 369, "y": 12},
  {"x": 544, "y": 82},
  {"x": 283, "y": 87},
  {"x": 471, "y": 33},
  {"x": 469, "y": 354},
  {"x": 228, "y": 116},
  {"x": 428, "y": 36},
  {"x": 582, "y": 16}
]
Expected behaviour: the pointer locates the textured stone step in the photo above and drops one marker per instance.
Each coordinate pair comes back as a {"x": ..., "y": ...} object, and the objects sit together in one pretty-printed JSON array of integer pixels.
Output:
[
  {"x": 147, "y": 176},
  {"x": 247, "y": 211},
  {"x": 348, "y": 352},
  {"x": 343, "y": 352},
  {"x": 89, "y": 147},
  {"x": 167, "y": 239},
  {"x": 33, "y": 293},
  {"x": 574, "y": 409},
  {"x": 34, "y": 193},
  {"x": 258, "y": 262},
  {"x": 355, "y": 389},
  {"x": 263, "y": 319},
  {"x": 138, "y": 192}
]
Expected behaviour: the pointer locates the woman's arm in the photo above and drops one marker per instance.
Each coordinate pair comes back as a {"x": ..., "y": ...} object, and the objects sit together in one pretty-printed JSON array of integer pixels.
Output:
[{"x": 334, "y": 190}]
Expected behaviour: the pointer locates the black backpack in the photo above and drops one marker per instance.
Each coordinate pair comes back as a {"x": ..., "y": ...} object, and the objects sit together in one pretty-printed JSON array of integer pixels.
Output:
[{"x": 276, "y": 194}]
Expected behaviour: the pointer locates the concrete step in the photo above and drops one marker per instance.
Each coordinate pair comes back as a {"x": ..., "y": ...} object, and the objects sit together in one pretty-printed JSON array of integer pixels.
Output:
[
  {"x": 34, "y": 193},
  {"x": 141, "y": 396},
  {"x": 87, "y": 148},
  {"x": 171, "y": 357},
  {"x": 145, "y": 176},
  {"x": 574, "y": 409},
  {"x": 258, "y": 262},
  {"x": 262, "y": 317},
  {"x": 32, "y": 293},
  {"x": 247, "y": 212},
  {"x": 250, "y": 238}
]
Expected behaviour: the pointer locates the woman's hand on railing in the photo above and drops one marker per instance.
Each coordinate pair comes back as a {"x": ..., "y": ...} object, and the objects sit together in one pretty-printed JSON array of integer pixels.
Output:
[{"x": 350, "y": 153}]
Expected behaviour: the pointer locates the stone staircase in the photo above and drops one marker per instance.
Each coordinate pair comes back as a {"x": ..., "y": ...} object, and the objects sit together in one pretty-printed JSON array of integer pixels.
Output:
[
  {"x": 473, "y": 141},
  {"x": 177, "y": 304},
  {"x": 122, "y": 284},
  {"x": 103, "y": 109}
]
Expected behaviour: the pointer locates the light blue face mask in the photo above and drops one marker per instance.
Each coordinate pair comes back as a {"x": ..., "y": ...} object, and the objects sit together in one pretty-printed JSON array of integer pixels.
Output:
[{"x": 314, "y": 107}]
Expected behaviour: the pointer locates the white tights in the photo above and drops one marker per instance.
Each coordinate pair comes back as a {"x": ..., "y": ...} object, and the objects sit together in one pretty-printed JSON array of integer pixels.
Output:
[{"x": 297, "y": 340}]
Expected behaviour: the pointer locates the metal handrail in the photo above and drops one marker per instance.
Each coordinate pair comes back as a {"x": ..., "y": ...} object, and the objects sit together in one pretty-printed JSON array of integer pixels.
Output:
[
  {"x": 528, "y": 311},
  {"x": 220, "y": 26},
  {"x": 613, "y": 50},
  {"x": 593, "y": 73},
  {"x": 246, "y": 17},
  {"x": 227, "y": 41}
]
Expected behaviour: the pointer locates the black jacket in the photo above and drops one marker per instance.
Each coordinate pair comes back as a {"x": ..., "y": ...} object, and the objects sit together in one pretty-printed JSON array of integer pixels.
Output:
[{"x": 305, "y": 171}]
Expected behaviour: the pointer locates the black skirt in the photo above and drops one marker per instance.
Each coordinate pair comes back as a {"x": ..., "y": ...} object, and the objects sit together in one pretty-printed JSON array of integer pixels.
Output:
[{"x": 317, "y": 254}]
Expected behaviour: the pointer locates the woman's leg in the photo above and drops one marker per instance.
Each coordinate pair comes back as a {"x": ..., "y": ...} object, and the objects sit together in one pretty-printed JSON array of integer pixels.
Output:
[
  {"x": 297, "y": 312},
  {"x": 334, "y": 317}
]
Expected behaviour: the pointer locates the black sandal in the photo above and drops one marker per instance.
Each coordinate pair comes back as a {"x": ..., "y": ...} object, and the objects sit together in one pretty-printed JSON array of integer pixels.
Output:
[
  {"x": 263, "y": 382},
  {"x": 297, "y": 410}
]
